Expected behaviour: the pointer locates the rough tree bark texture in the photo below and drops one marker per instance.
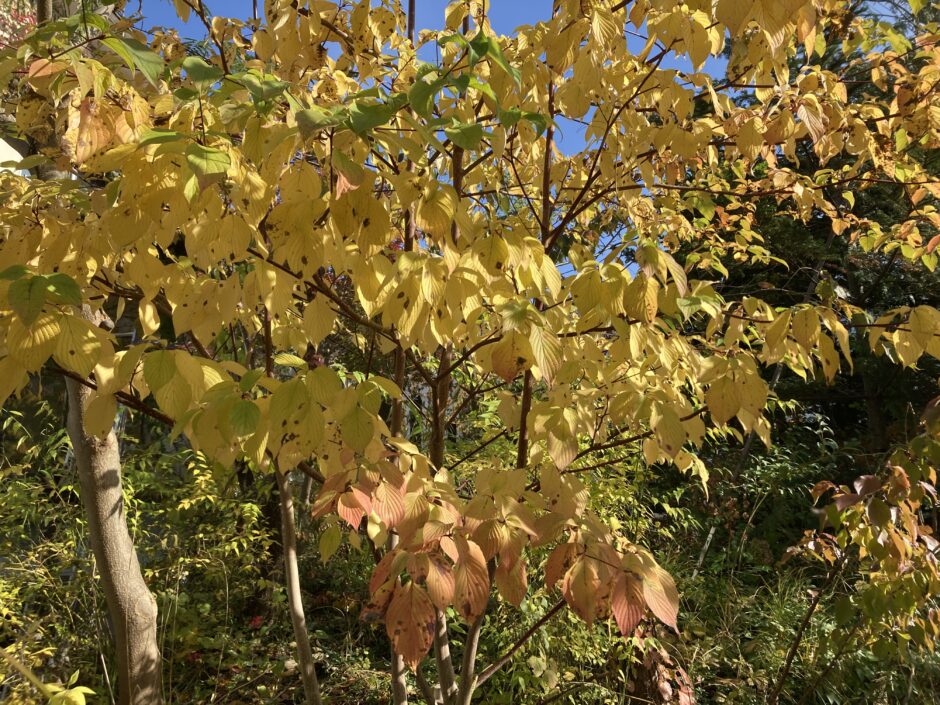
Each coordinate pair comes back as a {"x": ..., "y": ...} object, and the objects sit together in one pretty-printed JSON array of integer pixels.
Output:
[
  {"x": 131, "y": 607},
  {"x": 292, "y": 580}
]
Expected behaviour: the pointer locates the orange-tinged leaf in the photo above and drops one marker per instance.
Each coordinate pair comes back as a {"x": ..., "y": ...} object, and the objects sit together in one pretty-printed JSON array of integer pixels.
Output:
[
  {"x": 388, "y": 504},
  {"x": 659, "y": 591},
  {"x": 389, "y": 567},
  {"x": 580, "y": 587},
  {"x": 471, "y": 579},
  {"x": 377, "y": 606},
  {"x": 627, "y": 603},
  {"x": 511, "y": 581},
  {"x": 557, "y": 562},
  {"x": 349, "y": 510},
  {"x": 440, "y": 581},
  {"x": 410, "y": 622}
]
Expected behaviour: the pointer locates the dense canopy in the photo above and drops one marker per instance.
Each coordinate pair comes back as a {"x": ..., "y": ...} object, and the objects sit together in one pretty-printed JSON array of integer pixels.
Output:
[{"x": 458, "y": 294}]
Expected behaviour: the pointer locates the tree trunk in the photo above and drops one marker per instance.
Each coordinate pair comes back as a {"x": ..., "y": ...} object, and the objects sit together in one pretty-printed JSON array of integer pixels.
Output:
[
  {"x": 131, "y": 607},
  {"x": 43, "y": 11},
  {"x": 292, "y": 580}
]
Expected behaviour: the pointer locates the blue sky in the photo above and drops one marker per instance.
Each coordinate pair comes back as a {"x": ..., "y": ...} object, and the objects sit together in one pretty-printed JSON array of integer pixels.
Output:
[{"x": 505, "y": 15}]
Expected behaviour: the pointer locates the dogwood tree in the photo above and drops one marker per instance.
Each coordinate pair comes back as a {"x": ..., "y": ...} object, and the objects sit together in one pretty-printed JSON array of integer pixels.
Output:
[{"x": 311, "y": 174}]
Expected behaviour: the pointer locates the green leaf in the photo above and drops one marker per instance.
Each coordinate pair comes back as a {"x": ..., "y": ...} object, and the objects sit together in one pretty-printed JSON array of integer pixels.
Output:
[
  {"x": 465, "y": 135},
  {"x": 479, "y": 47},
  {"x": 63, "y": 289},
  {"x": 200, "y": 72},
  {"x": 484, "y": 88},
  {"x": 249, "y": 378},
  {"x": 208, "y": 164},
  {"x": 329, "y": 542},
  {"x": 159, "y": 369},
  {"x": 879, "y": 513},
  {"x": 184, "y": 94},
  {"x": 29, "y": 162},
  {"x": 261, "y": 86},
  {"x": 495, "y": 53},
  {"x": 358, "y": 428},
  {"x": 14, "y": 272},
  {"x": 243, "y": 417},
  {"x": 137, "y": 55},
  {"x": 314, "y": 119},
  {"x": 539, "y": 122},
  {"x": 157, "y": 135},
  {"x": 509, "y": 117},
  {"x": 26, "y": 297},
  {"x": 363, "y": 118},
  {"x": 421, "y": 95}
]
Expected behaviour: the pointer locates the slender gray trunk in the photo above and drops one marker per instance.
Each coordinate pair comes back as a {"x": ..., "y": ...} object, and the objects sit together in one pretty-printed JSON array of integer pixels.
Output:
[
  {"x": 132, "y": 609},
  {"x": 308, "y": 671}
]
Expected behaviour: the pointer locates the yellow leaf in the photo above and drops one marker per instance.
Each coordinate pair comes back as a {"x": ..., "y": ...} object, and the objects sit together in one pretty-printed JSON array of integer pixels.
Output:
[
  {"x": 174, "y": 397},
  {"x": 329, "y": 542},
  {"x": 806, "y": 327},
  {"x": 723, "y": 399},
  {"x": 546, "y": 351},
  {"x": 436, "y": 209},
  {"x": 669, "y": 431},
  {"x": 924, "y": 323},
  {"x": 319, "y": 319},
  {"x": 99, "y": 414},
  {"x": 510, "y": 355},
  {"x": 733, "y": 14},
  {"x": 78, "y": 347},
  {"x": 31, "y": 346}
]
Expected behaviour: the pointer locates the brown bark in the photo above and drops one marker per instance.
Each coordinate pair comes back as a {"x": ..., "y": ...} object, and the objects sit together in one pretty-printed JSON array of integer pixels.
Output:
[
  {"x": 131, "y": 607},
  {"x": 308, "y": 671},
  {"x": 43, "y": 11}
]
